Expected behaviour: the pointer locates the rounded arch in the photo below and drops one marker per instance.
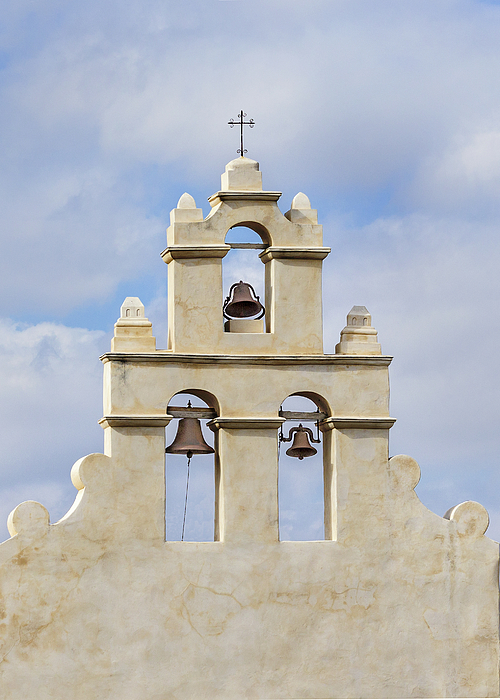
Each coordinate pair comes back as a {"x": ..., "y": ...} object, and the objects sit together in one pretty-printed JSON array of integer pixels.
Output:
[
  {"x": 256, "y": 227},
  {"x": 319, "y": 401},
  {"x": 242, "y": 263},
  {"x": 208, "y": 398}
]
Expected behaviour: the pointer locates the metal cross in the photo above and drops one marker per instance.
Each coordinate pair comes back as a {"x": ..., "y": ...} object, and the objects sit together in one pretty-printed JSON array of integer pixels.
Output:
[{"x": 250, "y": 123}]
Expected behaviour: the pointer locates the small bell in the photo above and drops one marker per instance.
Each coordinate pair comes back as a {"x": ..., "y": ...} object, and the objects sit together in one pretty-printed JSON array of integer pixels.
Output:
[
  {"x": 301, "y": 447},
  {"x": 189, "y": 440},
  {"x": 241, "y": 304}
]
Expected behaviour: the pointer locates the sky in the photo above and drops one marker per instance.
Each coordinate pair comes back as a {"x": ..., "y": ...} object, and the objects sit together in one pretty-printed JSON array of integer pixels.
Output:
[{"x": 385, "y": 113}]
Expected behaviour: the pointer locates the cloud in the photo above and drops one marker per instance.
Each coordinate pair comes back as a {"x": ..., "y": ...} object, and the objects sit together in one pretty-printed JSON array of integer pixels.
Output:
[
  {"x": 71, "y": 243},
  {"x": 50, "y": 402},
  {"x": 429, "y": 284},
  {"x": 464, "y": 178}
]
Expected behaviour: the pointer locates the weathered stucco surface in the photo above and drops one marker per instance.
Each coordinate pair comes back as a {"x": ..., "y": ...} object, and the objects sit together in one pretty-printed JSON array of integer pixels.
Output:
[{"x": 396, "y": 602}]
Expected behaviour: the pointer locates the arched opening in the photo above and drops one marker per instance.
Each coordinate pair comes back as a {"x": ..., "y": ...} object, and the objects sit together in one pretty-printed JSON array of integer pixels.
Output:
[
  {"x": 300, "y": 477},
  {"x": 242, "y": 263},
  {"x": 190, "y": 474}
]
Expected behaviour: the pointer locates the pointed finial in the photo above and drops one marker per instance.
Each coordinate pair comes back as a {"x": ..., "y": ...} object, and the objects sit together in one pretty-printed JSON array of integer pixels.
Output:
[
  {"x": 300, "y": 211},
  {"x": 301, "y": 201},
  {"x": 186, "y": 202}
]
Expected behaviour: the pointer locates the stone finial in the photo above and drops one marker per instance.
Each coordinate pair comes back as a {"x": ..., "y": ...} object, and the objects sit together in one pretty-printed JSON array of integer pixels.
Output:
[
  {"x": 358, "y": 337},
  {"x": 242, "y": 175},
  {"x": 133, "y": 331},
  {"x": 301, "y": 201},
  {"x": 359, "y": 316},
  {"x": 186, "y": 210},
  {"x": 132, "y": 307},
  {"x": 300, "y": 211},
  {"x": 186, "y": 201}
]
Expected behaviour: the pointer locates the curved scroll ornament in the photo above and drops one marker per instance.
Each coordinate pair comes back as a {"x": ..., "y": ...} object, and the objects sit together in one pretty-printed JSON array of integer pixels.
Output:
[
  {"x": 405, "y": 472},
  {"x": 472, "y": 518},
  {"x": 28, "y": 518}
]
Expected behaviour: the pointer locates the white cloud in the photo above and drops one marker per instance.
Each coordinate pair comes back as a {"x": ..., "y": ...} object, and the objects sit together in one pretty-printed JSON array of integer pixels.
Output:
[
  {"x": 464, "y": 179},
  {"x": 431, "y": 286},
  {"x": 50, "y": 402}
]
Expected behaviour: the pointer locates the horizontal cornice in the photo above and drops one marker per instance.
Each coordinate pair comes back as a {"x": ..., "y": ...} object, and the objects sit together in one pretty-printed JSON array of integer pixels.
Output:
[
  {"x": 191, "y": 252},
  {"x": 249, "y": 423},
  {"x": 294, "y": 253},
  {"x": 242, "y": 195},
  {"x": 356, "y": 422},
  {"x": 167, "y": 357},
  {"x": 137, "y": 421}
]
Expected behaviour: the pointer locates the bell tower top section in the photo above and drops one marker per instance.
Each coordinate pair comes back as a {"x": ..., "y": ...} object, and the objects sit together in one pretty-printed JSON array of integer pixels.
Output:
[{"x": 291, "y": 251}]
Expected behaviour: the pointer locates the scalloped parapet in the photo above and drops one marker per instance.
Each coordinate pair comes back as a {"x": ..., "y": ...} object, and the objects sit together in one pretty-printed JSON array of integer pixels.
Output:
[{"x": 103, "y": 577}]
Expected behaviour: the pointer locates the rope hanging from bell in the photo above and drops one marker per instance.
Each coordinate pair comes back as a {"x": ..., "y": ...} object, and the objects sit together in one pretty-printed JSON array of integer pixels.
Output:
[{"x": 188, "y": 441}]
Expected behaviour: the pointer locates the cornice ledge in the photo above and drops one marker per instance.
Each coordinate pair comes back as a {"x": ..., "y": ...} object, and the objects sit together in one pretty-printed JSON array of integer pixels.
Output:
[
  {"x": 167, "y": 356},
  {"x": 357, "y": 422},
  {"x": 232, "y": 195},
  {"x": 189, "y": 252},
  {"x": 138, "y": 421},
  {"x": 294, "y": 253},
  {"x": 245, "y": 423}
]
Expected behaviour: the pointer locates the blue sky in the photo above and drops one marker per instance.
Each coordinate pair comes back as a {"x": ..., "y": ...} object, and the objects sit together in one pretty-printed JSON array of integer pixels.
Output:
[{"x": 386, "y": 114}]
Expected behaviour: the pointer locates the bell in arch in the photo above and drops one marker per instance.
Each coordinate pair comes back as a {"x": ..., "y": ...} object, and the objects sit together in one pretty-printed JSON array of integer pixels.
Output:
[
  {"x": 242, "y": 302},
  {"x": 189, "y": 439},
  {"x": 301, "y": 447}
]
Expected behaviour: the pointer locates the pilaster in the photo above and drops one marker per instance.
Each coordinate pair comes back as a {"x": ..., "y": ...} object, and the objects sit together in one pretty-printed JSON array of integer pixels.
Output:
[{"x": 248, "y": 492}]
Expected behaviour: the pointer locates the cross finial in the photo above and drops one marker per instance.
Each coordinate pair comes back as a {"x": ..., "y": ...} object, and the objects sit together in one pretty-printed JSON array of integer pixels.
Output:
[{"x": 241, "y": 122}]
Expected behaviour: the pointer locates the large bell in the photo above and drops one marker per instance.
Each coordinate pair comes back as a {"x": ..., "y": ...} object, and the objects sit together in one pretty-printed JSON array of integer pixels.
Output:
[
  {"x": 189, "y": 440},
  {"x": 301, "y": 447},
  {"x": 241, "y": 304}
]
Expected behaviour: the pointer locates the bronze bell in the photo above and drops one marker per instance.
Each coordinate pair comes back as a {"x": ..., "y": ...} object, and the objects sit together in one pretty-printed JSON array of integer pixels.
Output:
[
  {"x": 241, "y": 304},
  {"x": 301, "y": 447},
  {"x": 189, "y": 440}
]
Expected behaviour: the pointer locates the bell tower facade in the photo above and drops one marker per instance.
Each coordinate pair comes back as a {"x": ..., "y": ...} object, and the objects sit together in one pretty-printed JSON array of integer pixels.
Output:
[
  {"x": 292, "y": 252},
  {"x": 394, "y": 601}
]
